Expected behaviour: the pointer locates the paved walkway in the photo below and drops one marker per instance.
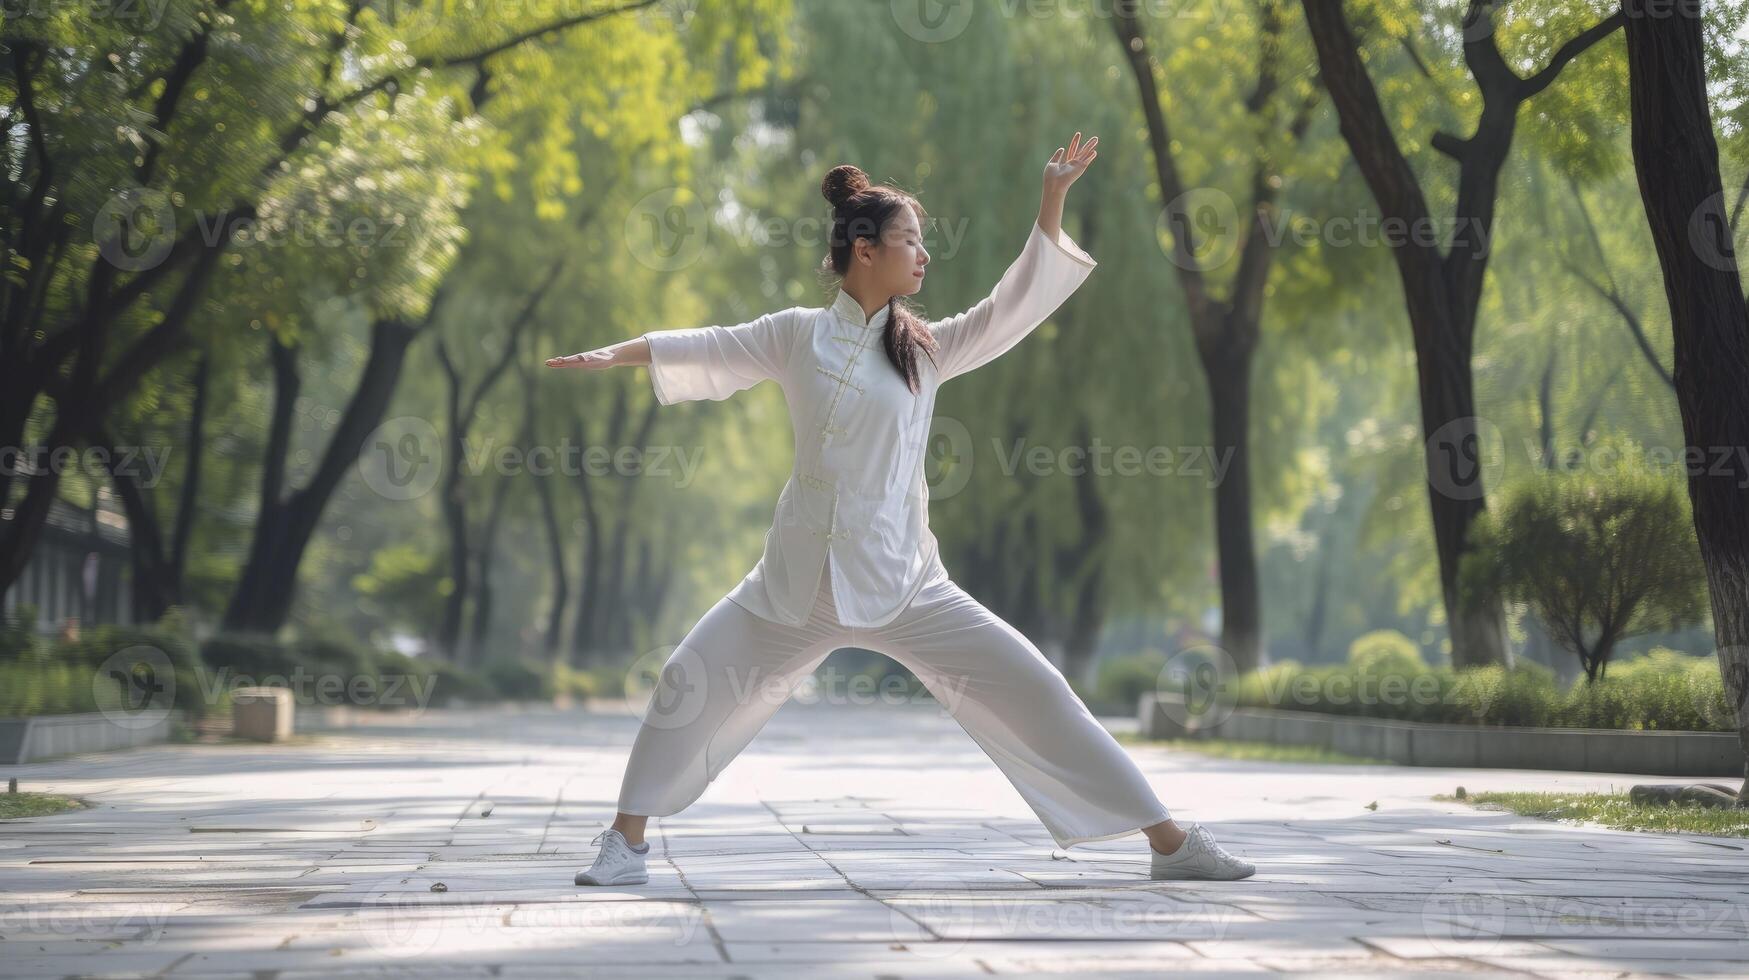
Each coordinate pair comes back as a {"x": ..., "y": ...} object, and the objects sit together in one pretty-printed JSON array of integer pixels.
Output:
[{"x": 849, "y": 841}]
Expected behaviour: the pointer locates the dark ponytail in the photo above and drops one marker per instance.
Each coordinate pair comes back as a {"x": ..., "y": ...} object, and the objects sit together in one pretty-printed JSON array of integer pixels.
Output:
[{"x": 861, "y": 210}]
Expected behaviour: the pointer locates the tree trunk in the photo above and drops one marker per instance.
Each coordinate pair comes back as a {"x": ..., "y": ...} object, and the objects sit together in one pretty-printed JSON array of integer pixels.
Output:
[
  {"x": 263, "y": 596},
  {"x": 455, "y": 514},
  {"x": 1677, "y": 160},
  {"x": 1443, "y": 291},
  {"x": 1229, "y": 381},
  {"x": 549, "y": 519}
]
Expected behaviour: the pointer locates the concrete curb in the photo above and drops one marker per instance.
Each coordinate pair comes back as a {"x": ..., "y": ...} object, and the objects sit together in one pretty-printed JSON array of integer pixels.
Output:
[{"x": 1409, "y": 743}]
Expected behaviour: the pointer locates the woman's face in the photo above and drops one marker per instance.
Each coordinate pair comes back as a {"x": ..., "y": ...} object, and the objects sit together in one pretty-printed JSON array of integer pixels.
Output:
[{"x": 895, "y": 267}]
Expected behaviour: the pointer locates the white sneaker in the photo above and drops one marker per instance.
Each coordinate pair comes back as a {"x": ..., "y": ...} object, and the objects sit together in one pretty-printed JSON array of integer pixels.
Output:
[
  {"x": 616, "y": 863},
  {"x": 1200, "y": 858}
]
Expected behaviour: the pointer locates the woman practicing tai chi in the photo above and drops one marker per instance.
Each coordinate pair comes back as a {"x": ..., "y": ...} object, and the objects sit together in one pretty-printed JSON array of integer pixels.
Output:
[{"x": 850, "y": 559}]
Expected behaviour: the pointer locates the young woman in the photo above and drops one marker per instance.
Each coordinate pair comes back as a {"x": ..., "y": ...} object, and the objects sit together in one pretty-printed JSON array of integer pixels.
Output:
[{"x": 850, "y": 560}]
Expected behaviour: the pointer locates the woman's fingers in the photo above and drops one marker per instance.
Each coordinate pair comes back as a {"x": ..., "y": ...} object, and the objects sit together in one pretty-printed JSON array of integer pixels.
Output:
[{"x": 585, "y": 359}]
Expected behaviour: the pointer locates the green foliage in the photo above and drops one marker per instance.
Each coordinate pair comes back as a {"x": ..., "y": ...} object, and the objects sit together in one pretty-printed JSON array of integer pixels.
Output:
[
  {"x": 1383, "y": 652},
  {"x": 1123, "y": 680},
  {"x": 1664, "y": 691},
  {"x": 1600, "y": 554},
  {"x": 517, "y": 680},
  {"x": 41, "y": 676}
]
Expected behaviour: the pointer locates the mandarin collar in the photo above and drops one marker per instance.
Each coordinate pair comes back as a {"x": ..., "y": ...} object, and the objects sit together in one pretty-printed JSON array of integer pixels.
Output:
[{"x": 846, "y": 306}]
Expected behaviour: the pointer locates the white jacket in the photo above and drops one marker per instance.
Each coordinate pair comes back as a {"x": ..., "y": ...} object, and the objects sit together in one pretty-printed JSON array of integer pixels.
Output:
[{"x": 856, "y": 494}]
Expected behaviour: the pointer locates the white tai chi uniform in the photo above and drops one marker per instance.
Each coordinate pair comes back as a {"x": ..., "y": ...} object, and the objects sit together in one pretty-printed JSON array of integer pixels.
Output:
[{"x": 850, "y": 561}]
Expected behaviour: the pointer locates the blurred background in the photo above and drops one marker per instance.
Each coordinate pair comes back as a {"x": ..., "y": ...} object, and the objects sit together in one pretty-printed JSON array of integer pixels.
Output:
[{"x": 280, "y": 278}]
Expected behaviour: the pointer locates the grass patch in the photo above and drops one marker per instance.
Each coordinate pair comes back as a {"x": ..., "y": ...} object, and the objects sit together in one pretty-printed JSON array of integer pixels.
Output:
[
  {"x": 1226, "y": 748},
  {"x": 1616, "y": 811},
  {"x": 14, "y": 805}
]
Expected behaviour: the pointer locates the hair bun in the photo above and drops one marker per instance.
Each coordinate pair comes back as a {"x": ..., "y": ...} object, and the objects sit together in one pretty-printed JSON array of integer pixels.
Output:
[{"x": 842, "y": 183}]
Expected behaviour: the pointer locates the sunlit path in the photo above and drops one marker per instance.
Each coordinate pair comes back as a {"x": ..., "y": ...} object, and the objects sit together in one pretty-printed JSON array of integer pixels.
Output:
[{"x": 849, "y": 840}]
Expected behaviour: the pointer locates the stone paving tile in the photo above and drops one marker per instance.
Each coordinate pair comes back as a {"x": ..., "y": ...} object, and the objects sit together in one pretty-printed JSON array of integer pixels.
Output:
[{"x": 870, "y": 842}]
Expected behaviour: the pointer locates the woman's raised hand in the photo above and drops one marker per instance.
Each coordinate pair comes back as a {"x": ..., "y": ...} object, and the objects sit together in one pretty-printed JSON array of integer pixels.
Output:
[
  {"x": 1068, "y": 164},
  {"x": 593, "y": 360}
]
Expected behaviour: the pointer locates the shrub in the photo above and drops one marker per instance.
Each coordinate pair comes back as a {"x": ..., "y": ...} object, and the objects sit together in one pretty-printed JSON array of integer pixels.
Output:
[
  {"x": 1664, "y": 690},
  {"x": 253, "y": 655},
  {"x": 1600, "y": 555},
  {"x": 39, "y": 676},
  {"x": 517, "y": 680},
  {"x": 1385, "y": 652},
  {"x": 1123, "y": 680}
]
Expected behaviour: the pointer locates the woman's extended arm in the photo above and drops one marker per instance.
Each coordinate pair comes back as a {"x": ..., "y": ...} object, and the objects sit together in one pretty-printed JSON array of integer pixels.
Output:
[
  {"x": 1049, "y": 269},
  {"x": 702, "y": 362}
]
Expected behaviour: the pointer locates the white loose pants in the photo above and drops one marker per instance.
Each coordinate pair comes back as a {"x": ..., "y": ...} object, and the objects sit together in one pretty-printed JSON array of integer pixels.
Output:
[{"x": 734, "y": 670}]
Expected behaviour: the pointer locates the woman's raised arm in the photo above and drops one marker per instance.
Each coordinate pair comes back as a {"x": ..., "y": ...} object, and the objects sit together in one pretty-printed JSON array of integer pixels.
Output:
[{"x": 1049, "y": 269}]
